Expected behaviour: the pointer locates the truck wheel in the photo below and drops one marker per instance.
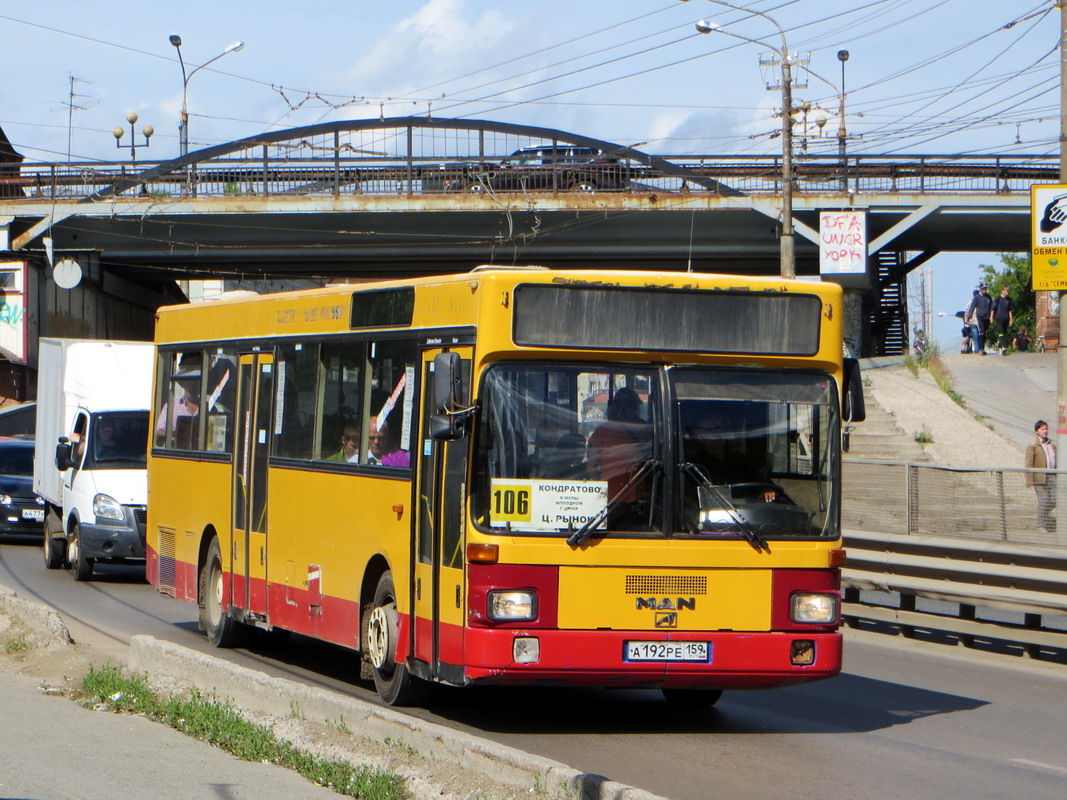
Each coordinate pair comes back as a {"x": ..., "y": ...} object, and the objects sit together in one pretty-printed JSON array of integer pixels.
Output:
[
  {"x": 54, "y": 548},
  {"x": 394, "y": 684},
  {"x": 53, "y": 552},
  {"x": 81, "y": 568},
  {"x": 222, "y": 630}
]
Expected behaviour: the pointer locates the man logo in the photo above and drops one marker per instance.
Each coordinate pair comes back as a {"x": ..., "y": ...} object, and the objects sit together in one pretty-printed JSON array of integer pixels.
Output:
[
  {"x": 666, "y": 604},
  {"x": 666, "y": 619}
]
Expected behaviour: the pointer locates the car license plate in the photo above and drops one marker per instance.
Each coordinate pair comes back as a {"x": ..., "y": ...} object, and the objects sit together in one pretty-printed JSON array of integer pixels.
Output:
[
  {"x": 668, "y": 651},
  {"x": 33, "y": 513}
]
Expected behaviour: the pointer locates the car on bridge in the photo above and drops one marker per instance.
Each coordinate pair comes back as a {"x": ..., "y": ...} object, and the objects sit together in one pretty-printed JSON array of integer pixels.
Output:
[
  {"x": 545, "y": 168},
  {"x": 21, "y": 511}
]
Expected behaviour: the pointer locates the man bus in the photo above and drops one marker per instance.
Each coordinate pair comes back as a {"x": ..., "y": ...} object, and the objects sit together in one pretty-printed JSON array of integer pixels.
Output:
[{"x": 608, "y": 478}]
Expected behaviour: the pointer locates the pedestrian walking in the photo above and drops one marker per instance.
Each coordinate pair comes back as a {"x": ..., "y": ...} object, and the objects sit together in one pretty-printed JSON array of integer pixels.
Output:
[
  {"x": 1041, "y": 454},
  {"x": 1002, "y": 318},
  {"x": 979, "y": 313}
]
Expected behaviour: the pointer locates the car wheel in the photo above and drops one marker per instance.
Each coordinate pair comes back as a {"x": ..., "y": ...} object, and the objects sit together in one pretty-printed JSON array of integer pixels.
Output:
[
  {"x": 394, "y": 684},
  {"x": 691, "y": 699},
  {"x": 583, "y": 184},
  {"x": 222, "y": 630},
  {"x": 81, "y": 567}
]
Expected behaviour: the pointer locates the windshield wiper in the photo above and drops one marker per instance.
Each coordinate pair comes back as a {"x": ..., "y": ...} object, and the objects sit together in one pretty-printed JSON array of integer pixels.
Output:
[
  {"x": 584, "y": 532},
  {"x": 700, "y": 475}
]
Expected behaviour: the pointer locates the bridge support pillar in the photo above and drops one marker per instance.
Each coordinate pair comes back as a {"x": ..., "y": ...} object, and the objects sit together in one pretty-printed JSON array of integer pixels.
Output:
[{"x": 853, "y": 324}]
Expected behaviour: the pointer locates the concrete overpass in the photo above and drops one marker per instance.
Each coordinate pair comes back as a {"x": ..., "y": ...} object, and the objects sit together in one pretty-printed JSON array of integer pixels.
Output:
[{"x": 377, "y": 198}]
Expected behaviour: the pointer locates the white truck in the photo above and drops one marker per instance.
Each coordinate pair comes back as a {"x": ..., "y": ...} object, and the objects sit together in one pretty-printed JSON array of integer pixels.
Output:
[{"x": 92, "y": 439}]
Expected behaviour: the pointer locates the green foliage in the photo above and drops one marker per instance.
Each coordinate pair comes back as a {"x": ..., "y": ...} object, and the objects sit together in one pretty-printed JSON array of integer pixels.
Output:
[
  {"x": 17, "y": 645},
  {"x": 222, "y": 726},
  {"x": 924, "y": 437},
  {"x": 1016, "y": 276}
]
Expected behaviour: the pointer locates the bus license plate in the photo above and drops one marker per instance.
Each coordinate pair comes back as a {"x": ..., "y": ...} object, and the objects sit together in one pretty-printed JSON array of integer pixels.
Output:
[
  {"x": 33, "y": 513},
  {"x": 668, "y": 651}
]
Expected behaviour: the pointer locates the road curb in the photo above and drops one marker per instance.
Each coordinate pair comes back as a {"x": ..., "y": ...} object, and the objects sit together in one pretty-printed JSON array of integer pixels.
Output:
[
  {"x": 47, "y": 629},
  {"x": 259, "y": 692}
]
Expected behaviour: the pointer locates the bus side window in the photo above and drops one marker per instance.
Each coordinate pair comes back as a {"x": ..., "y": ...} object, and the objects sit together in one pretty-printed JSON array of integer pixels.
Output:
[
  {"x": 294, "y": 427},
  {"x": 341, "y": 405},
  {"x": 390, "y": 424}
]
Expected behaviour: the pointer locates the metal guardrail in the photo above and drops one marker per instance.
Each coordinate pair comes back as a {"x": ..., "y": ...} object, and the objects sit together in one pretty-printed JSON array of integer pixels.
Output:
[
  {"x": 932, "y": 500},
  {"x": 416, "y": 156},
  {"x": 917, "y": 584}
]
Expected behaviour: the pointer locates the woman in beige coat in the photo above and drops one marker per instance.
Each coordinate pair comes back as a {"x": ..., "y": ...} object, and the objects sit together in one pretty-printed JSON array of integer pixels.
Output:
[{"x": 1041, "y": 454}]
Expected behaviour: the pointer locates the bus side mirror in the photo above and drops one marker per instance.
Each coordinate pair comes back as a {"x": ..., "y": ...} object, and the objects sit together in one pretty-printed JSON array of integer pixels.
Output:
[
  {"x": 447, "y": 427},
  {"x": 446, "y": 382},
  {"x": 64, "y": 454},
  {"x": 854, "y": 409}
]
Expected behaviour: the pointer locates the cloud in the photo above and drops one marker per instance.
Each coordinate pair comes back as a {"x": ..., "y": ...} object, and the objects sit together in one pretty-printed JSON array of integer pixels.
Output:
[{"x": 442, "y": 38}]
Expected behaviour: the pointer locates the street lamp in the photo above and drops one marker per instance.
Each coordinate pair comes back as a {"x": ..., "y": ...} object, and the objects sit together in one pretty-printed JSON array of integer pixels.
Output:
[
  {"x": 788, "y": 258},
  {"x": 118, "y": 133},
  {"x": 183, "y": 123},
  {"x": 842, "y": 56}
]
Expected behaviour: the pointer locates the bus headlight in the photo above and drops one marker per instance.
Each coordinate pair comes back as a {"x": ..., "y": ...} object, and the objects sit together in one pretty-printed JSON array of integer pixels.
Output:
[
  {"x": 511, "y": 605},
  {"x": 108, "y": 507},
  {"x": 813, "y": 608}
]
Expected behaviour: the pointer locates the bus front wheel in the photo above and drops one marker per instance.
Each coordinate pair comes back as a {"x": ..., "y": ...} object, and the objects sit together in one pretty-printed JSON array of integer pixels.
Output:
[
  {"x": 222, "y": 630},
  {"x": 394, "y": 684}
]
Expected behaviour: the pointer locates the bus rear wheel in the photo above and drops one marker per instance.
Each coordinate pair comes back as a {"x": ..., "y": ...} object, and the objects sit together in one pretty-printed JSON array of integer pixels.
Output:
[
  {"x": 691, "y": 699},
  {"x": 394, "y": 684},
  {"x": 222, "y": 630}
]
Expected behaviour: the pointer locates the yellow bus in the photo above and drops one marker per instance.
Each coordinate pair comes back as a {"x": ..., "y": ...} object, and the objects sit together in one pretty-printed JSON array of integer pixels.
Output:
[{"x": 513, "y": 476}]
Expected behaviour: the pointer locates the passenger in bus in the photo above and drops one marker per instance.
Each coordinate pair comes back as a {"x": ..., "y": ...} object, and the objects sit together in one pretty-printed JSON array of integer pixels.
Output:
[
  {"x": 380, "y": 452},
  {"x": 349, "y": 452},
  {"x": 617, "y": 448},
  {"x": 188, "y": 406}
]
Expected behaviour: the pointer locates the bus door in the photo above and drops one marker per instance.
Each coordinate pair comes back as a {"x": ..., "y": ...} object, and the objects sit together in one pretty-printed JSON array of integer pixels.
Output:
[
  {"x": 440, "y": 591},
  {"x": 248, "y": 589}
]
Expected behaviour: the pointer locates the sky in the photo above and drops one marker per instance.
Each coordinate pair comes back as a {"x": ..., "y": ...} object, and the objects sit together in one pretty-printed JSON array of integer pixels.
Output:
[{"x": 923, "y": 76}]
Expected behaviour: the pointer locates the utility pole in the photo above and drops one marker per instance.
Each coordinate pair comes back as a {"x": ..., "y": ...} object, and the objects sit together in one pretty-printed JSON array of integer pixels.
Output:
[{"x": 1061, "y": 348}]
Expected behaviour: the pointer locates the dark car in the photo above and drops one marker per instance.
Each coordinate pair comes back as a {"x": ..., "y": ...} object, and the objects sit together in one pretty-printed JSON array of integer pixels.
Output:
[
  {"x": 21, "y": 511},
  {"x": 546, "y": 168}
]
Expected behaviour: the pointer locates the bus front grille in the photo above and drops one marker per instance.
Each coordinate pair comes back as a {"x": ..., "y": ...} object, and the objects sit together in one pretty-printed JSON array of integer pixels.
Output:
[{"x": 667, "y": 584}]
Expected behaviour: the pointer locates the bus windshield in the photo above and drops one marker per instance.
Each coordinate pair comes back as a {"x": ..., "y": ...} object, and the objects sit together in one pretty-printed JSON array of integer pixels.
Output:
[{"x": 697, "y": 452}]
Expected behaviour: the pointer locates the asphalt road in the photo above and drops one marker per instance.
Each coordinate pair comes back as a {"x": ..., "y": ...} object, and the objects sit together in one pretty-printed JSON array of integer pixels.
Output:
[{"x": 906, "y": 721}]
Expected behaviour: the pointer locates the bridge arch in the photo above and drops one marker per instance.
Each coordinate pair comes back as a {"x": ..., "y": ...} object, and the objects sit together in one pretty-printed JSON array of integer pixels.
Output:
[{"x": 656, "y": 165}]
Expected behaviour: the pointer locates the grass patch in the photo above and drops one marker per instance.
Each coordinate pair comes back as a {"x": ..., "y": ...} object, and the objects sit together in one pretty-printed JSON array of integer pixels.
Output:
[
  {"x": 940, "y": 375},
  {"x": 16, "y": 645},
  {"x": 221, "y": 725},
  {"x": 924, "y": 437}
]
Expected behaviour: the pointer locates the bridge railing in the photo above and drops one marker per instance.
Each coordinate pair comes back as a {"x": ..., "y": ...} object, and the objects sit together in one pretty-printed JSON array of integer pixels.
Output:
[{"x": 339, "y": 173}]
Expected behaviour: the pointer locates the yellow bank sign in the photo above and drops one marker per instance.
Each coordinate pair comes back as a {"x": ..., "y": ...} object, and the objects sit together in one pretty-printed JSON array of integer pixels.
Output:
[{"x": 1048, "y": 236}]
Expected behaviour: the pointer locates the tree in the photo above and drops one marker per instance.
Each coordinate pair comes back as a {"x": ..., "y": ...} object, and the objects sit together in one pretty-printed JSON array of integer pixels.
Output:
[{"x": 1016, "y": 276}]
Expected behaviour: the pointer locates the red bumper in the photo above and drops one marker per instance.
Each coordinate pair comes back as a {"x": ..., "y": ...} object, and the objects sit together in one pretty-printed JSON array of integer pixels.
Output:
[{"x": 737, "y": 660}]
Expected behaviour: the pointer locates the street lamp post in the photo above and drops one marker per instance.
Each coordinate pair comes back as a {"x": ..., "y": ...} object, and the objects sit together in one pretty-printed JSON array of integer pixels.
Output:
[
  {"x": 183, "y": 123},
  {"x": 788, "y": 257},
  {"x": 118, "y": 132}
]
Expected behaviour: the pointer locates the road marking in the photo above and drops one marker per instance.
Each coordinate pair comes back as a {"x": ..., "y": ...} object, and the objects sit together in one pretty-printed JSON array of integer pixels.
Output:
[{"x": 1028, "y": 763}]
